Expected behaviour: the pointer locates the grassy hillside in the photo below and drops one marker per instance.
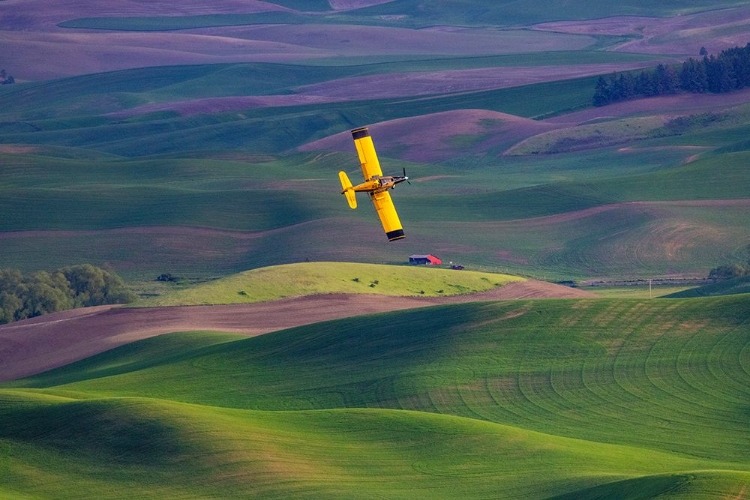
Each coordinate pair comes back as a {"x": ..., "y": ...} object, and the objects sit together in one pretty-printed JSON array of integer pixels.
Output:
[
  {"x": 291, "y": 212},
  {"x": 134, "y": 168},
  {"x": 513, "y": 13},
  {"x": 272, "y": 283},
  {"x": 727, "y": 287},
  {"x": 530, "y": 399},
  {"x": 76, "y": 112},
  {"x": 196, "y": 170},
  {"x": 410, "y": 13},
  {"x": 228, "y": 216}
]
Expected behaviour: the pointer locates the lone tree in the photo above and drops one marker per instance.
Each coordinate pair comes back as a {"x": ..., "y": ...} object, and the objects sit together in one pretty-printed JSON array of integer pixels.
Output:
[{"x": 5, "y": 78}]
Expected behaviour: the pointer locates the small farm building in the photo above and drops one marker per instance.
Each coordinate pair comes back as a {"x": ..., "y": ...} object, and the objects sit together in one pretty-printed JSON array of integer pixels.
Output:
[{"x": 424, "y": 259}]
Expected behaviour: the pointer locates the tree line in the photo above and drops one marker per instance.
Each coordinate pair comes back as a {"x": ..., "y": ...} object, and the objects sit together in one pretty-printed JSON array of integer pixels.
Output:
[
  {"x": 732, "y": 270},
  {"x": 29, "y": 295},
  {"x": 728, "y": 71}
]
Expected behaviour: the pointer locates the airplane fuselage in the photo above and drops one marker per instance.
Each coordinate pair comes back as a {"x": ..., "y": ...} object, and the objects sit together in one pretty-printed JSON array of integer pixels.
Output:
[{"x": 378, "y": 184}]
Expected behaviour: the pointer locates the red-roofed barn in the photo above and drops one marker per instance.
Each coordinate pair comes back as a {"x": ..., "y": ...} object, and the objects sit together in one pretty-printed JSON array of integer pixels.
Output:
[{"x": 424, "y": 259}]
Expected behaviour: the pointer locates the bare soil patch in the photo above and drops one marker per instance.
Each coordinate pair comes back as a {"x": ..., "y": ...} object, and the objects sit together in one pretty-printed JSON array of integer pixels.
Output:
[
  {"x": 384, "y": 86},
  {"x": 354, "y": 4},
  {"x": 36, "y": 48},
  {"x": 226, "y": 104},
  {"x": 40, "y": 344},
  {"x": 673, "y": 105},
  {"x": 42, "y": 15},
  {"x": 364, "y": 41},
  {"x": 42, "y": 56},
  {"x": 715, "y": 30},
  {"x": 452, "y": 81},
  {"x": 550, "y": 220},
  {"x": 16, "y": 149},
  {"x": 449, "y": 132}
]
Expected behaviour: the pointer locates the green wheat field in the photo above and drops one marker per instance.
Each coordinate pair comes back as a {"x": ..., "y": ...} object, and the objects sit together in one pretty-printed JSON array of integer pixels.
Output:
[{"x": 202, "y": 143}]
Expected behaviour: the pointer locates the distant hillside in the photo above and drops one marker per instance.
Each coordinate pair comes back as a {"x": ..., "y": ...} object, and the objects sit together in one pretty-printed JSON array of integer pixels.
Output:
[
  {"x": 401, "y": 13},
  {"x": 216, "y": 152},
  {"x": 476, "y": 12}
]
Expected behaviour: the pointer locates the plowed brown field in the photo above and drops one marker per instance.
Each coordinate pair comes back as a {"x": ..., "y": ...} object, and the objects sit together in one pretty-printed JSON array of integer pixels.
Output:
[{"x": 40, "y": 344}]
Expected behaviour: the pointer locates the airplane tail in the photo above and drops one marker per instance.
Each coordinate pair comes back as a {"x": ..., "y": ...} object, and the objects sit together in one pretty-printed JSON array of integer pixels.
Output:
[{"x": 347, "y": 190}]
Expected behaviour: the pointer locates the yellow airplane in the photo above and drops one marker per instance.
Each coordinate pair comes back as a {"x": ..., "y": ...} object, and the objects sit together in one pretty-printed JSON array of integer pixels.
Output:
[{"x": 376, "y": 184}]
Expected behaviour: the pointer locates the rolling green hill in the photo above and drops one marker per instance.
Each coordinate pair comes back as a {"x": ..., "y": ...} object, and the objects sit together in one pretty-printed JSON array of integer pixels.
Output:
[
  {"x": 473, "y": 12},
  {"x": 293, "y": 280},
  {"x": 198, "y": 170},
  {"x": 410, "y": 13},
  {"x": 125, "y": 167},
  {"x": 530, "y": 399},
  {"x": 726, "y": 287},
  {"x": 211, "y": 217},
  {"x": 78, "y": 112}
]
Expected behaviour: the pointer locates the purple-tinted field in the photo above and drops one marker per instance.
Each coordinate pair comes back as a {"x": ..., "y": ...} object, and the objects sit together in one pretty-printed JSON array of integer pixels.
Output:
[{"x": 35, "y": 48}]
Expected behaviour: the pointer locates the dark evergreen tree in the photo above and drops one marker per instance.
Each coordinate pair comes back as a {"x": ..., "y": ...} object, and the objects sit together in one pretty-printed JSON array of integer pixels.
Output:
[
  {"x": 602, "y": 93},
  {"x": 739, "y": 61},
  {"x": 626, "y": 86},
  {"x": 718, "y": 74},
  {"x": 665, "y": 80},
  {"x": 644, "y": 85},
  {"x": 728, "y": 71},
  {"x": 693, "y": 77}
]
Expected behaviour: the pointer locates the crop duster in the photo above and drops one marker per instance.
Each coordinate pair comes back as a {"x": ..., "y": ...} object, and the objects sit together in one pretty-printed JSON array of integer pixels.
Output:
[{"x": 376, "y": 185}]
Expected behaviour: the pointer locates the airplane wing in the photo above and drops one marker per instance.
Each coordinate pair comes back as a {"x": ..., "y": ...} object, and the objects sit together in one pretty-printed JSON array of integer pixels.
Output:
[
  {"x": 368, "y": 159},
  {"x": 388, "y": 216}
]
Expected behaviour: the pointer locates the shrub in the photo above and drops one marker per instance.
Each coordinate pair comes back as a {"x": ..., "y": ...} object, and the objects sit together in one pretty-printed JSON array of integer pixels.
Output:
[{"x": 44, "y": 292}]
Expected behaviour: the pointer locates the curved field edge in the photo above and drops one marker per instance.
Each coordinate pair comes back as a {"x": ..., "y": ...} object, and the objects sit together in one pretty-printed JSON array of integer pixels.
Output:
[
  {"x": 41, "y": 344},
  {"x": 687, "y": 484},
  {"x": 663, "y": 374},
  {"x": 315, "y": 278},
  {"x": 160, "y": 449},
  {"x": 725, "y": 287}
]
